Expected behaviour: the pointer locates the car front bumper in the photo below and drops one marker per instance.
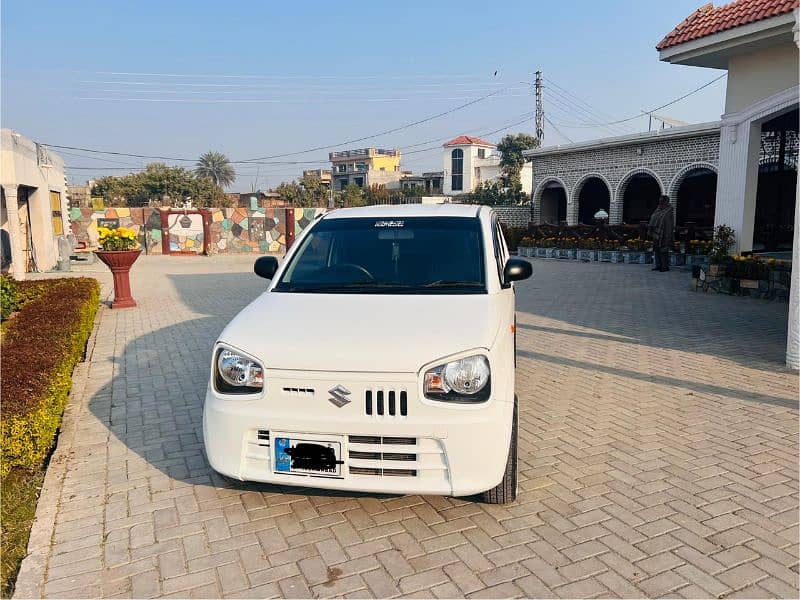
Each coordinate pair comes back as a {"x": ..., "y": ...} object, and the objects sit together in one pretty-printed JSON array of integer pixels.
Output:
[{"x": 435, "y": 448}]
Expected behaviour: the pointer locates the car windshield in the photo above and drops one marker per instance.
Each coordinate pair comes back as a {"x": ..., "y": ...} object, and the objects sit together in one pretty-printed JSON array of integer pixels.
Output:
[{"x": 429, "y": 255}]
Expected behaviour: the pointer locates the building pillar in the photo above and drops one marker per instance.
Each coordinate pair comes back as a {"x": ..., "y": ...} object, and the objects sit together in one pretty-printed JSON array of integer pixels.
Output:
[
  {"x": 572, "y": 208},
  {"x": 737, "y": 180},
  {"x": 17, "y": 267},
  {"x": 614, "y": 208},
  {"x": 793, "y": 335}
]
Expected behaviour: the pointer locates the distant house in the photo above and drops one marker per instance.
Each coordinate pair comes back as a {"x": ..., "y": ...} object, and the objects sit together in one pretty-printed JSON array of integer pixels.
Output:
[
  {"x": 258, "y": 199},
  {"x": 324, "y": 175},
  {"x": 365, "y": 167},
  {"x": 469, "y": 161},
  {"x": 34, "y": 210}
]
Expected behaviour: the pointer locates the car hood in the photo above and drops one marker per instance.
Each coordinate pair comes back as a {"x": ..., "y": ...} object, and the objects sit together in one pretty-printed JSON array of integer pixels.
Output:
[{"x": 361, "y": 332}]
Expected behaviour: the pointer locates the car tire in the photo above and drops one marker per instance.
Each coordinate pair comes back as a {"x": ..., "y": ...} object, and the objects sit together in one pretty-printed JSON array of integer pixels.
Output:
[{"x": 506, "y": 490}]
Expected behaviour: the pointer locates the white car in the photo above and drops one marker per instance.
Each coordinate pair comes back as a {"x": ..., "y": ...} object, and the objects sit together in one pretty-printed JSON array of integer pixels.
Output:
[{"x": 379, "y": 359}]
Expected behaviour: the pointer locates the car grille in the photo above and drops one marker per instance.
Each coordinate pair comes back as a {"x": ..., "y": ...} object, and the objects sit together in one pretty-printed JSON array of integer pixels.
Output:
[
  {"x": 392, "y": 403},
  {"x": 368, "y": 455},
  {"x": 393, "y": 456}
]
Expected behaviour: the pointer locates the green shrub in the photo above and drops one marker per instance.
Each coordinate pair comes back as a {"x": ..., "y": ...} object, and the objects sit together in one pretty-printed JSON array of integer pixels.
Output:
[
  {"x": 9, "y": 300},
  {"x": 513, "y": 235},
  {"x": 724, "y": 239},
  {"x": 40, "y": 348}
]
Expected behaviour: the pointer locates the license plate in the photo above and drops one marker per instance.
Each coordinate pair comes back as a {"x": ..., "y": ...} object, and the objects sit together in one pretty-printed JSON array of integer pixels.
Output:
[{"x": 308, "y": 457}]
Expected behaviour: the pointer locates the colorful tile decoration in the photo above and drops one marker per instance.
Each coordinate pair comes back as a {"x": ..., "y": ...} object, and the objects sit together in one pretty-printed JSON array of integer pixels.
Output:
[{"x": 232, "y": 230}]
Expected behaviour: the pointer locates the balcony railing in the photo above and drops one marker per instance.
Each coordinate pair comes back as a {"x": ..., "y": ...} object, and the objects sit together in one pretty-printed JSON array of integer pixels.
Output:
[{"x": 362, "y": 152}]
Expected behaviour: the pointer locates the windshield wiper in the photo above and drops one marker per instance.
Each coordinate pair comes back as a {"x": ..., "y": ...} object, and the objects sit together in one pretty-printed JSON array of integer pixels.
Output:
[
  {"x": 365, "y": 285},
  {"x": 440, "y": 283}
]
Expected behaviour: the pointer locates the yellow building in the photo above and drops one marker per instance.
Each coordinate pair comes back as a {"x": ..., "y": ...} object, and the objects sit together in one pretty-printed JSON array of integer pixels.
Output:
[{"x": 366, "y": 167}]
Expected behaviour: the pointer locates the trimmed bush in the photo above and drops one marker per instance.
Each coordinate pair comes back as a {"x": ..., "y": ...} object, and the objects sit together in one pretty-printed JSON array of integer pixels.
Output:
[
  {"x": 9, "y": 300},
  {"x": 40, "y": 348}
]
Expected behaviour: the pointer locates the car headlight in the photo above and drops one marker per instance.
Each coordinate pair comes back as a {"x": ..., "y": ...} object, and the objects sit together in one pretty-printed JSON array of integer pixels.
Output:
[
  {"x": 463, "y": 380},
  {"x": 237, "y": 374}
]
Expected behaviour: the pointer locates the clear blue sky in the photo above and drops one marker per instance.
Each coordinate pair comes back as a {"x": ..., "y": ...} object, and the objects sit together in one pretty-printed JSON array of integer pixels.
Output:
[{"x": 255, "y": 79}]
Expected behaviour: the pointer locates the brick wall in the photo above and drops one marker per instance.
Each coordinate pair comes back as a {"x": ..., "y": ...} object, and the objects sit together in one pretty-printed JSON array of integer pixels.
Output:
[
  {"x": 514, "y": 216},
  {"x": 668, "y": 160}
]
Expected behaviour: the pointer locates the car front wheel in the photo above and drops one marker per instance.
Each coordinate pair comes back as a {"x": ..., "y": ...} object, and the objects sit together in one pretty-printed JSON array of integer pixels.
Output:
[{"x": 506, "y": 490}]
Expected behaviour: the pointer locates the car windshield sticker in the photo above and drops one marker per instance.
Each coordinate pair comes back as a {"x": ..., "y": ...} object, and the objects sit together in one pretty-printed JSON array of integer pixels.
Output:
[{"x": 389, "y": 223}]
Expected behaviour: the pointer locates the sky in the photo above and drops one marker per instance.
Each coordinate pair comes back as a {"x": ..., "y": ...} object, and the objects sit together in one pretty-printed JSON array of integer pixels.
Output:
[{"x": 278, "y": 79}]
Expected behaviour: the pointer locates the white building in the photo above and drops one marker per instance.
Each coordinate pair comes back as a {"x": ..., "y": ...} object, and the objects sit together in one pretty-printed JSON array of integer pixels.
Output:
[
  {"x": 756, "y": 41},
  {"x": 469, "y": 161},
  {"x": 34, "y": 207}
]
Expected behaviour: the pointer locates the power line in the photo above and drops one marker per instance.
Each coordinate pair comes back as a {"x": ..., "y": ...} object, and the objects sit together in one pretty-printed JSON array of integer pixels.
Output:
[
  {"x": 527, "y": 117},
  {"x": 597, "y": 114},
  {"x": 647, "y": 112},
  {"x": 305, "y": 151},
  {"x": 570, "y": 109},
  {"x": 549, "y": 122}
]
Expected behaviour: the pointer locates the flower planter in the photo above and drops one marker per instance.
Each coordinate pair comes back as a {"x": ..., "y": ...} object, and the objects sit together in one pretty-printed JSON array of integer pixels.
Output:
[
  {"x": 638, "y": 257},
  {"x": 564, "y": 253},
  {"x": 587, "y": 255},
  {"x": 695, "y": 260},
  {"x": 617, "y": 256},
  {"x": 676, "y": 259},
  {"x": 120, "y": 262},
  {"x": 541, "y": 252},
  {"x": 605, "y": 256}
]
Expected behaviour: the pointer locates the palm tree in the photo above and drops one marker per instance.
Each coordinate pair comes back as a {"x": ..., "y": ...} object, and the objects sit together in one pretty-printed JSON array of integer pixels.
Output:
[{"x": 216, "y": 167}]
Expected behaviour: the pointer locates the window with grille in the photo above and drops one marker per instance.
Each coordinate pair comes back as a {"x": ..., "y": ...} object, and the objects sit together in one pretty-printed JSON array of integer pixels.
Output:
[{"x": 457, "y": 169}]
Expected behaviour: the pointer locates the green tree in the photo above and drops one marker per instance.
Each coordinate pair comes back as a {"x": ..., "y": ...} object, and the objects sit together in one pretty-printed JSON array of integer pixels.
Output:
[
  {"x": 316, "y": 193},
  {"x": 160, "y": 182},
  {"x": 216, "y": 167},
  {"x": 292, "y": 193},
  {"x": 352, "y": 196},
  {"x": 512, "y": 160},
  {"x": 377, "y": 194},
  {"x": 492, "y": 193}
]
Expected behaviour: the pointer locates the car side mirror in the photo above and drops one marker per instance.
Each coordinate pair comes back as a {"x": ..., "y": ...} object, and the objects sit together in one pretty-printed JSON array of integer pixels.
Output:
[
  {"x": 265, "y": 266},
  {"x": 516, "y": 269}
]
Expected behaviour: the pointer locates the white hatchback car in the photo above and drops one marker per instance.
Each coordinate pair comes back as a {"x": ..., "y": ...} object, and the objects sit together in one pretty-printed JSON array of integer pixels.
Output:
[{"x": 379, "y": 359}]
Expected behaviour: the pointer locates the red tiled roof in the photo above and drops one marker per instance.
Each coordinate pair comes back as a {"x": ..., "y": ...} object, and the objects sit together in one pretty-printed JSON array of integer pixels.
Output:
[
  {"x": 466, "y": 140},
  {"x": 710, "y": 19}
]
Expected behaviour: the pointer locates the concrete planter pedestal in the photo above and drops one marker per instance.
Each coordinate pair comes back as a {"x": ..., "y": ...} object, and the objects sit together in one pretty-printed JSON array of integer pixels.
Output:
[{"x": 120, "y": 262}]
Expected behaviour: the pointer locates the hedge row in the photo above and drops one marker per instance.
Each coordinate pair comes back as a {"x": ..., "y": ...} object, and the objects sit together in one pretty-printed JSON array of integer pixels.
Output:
[{"x": 40, "y": 348}]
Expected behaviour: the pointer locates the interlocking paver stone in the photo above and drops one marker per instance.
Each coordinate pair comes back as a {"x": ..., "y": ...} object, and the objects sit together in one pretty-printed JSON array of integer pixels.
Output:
[{"x": 657, "y": 456}]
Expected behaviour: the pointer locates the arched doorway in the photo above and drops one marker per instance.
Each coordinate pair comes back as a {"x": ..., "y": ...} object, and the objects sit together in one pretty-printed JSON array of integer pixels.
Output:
[
  {"x": 695, "y": 197},
  {"x": 553, "y": 203},
  {"x": 593, "y": 195},
  {"x": 639, "y": 197},
  {"x": 777, "y": 181}
]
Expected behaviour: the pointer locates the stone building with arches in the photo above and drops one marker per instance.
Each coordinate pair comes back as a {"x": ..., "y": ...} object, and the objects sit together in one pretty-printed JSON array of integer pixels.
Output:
[{"x": 625, "y": 175}]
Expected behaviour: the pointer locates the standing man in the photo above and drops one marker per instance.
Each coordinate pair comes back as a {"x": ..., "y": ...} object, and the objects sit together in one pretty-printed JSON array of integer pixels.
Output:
[{"x": 662, "y": 232}]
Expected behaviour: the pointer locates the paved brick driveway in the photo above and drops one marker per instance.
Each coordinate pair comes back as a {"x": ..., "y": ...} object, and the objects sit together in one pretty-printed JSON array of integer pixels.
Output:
[{"x": 658, "y": 457}]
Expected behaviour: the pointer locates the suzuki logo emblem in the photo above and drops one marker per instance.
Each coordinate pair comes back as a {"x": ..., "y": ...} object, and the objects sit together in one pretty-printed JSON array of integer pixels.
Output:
[{"x": 339, "y": 396}]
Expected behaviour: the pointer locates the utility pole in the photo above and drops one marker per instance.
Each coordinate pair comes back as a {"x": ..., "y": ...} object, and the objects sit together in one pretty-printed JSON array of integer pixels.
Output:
[{"x": 539, "y": 107}]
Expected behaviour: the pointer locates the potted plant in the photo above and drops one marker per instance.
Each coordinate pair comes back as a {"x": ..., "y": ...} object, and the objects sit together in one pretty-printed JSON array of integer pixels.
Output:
[
  {"x": 587, "y": 249},
  {"x": 637, "y": 251},
  {"x": 119, "y": 251},
  {"x": 697, "y": 252},
  {"x": 526, "y": 246}
]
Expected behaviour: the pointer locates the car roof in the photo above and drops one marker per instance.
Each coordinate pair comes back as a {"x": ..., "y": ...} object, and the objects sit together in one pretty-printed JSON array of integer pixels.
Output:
[{"x": 409, "y": 210}]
